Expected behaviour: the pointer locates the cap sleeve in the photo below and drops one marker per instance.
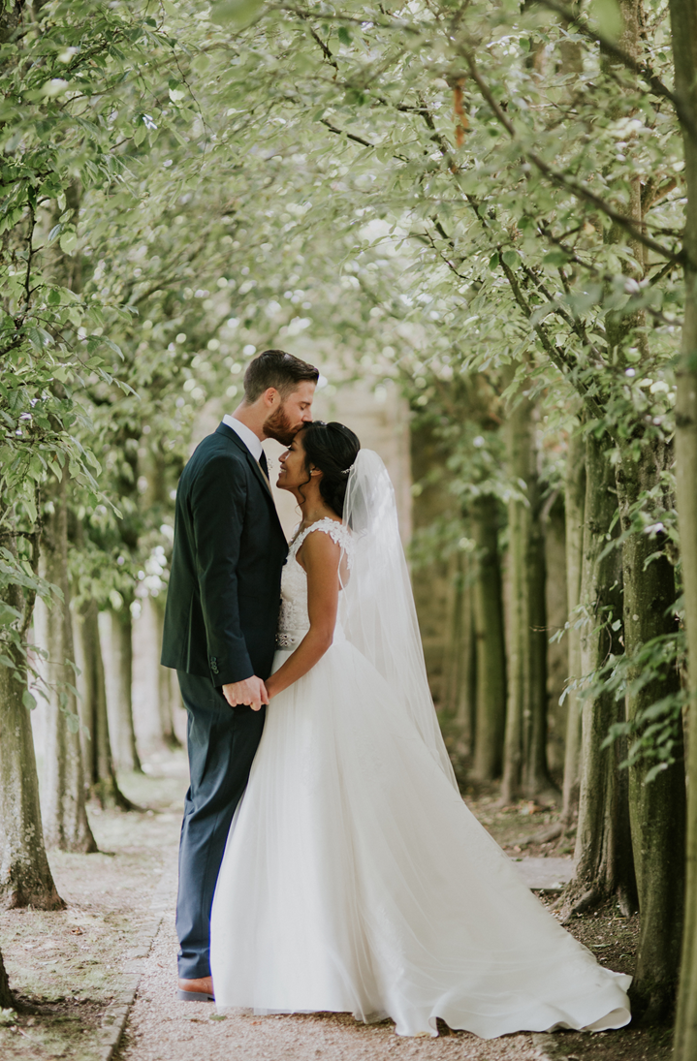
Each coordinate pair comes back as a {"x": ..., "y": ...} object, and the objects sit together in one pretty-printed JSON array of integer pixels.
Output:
[{"x": 336, "y": 531}]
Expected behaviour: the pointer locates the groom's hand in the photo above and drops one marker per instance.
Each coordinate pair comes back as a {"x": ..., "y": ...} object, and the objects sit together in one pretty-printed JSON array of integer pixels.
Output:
[{"x": 251, "y": 691}]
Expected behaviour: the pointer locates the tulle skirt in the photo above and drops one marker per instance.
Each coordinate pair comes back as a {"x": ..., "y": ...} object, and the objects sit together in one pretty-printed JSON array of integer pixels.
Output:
[{"x": 355, "y": 879}]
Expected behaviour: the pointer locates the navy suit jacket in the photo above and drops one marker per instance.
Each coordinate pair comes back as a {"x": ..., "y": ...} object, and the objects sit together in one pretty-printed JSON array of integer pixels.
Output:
[{"x": 229, "y": 548}]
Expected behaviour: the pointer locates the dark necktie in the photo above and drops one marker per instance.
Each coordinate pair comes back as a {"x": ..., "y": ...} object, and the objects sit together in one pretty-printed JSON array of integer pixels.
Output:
[{"x": 263, "y": 464}]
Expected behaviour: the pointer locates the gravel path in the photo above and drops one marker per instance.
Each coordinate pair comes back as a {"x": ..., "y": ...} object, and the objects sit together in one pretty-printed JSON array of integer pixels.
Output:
[
  {"x": 160, "y": 1028},
  {"x": 547, "y": 874}
]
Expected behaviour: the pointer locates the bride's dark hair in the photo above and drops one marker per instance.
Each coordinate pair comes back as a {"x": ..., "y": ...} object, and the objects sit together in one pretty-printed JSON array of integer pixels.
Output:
[{"x": 332, "y": 448}]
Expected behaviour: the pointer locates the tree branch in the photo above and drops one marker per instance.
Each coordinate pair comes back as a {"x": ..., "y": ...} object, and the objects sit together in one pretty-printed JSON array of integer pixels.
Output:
[
  {"x": 349, "y": 136},
  {"x": 560, "y": 179},
  {"x": 682, "y": 108},
  {"x": 552, "y": 351}
]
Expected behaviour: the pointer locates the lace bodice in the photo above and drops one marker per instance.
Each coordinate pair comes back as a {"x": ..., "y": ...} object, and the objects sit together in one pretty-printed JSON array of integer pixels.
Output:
[{"x": 293, "y": 620}]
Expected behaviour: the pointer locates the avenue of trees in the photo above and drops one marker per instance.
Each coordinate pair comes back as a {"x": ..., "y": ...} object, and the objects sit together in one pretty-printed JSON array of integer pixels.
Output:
[{"x": 489, "y": 205}]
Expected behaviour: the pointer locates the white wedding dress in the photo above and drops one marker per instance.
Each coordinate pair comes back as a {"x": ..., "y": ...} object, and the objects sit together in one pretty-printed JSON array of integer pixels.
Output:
[{"x": 356, "y": 879}]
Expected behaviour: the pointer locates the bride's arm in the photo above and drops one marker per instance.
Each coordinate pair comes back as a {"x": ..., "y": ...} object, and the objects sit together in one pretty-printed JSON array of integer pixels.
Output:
[{"x": 320, "y": 557}]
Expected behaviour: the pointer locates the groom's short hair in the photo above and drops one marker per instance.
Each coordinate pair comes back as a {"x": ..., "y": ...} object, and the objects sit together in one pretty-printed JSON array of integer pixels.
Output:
[{"x": 276, "y": 368}]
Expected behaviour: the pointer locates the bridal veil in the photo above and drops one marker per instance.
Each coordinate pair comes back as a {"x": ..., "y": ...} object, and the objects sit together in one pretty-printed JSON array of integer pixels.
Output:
[{"x": 377, "y": 609}]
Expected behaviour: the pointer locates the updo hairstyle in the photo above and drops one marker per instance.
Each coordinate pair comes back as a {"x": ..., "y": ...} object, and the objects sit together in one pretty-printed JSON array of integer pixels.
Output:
[{"x": 332, "y": 448}]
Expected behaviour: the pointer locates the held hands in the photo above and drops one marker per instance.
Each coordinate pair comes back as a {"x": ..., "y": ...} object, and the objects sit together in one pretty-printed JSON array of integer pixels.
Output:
[{"x": 251, "y": 691}]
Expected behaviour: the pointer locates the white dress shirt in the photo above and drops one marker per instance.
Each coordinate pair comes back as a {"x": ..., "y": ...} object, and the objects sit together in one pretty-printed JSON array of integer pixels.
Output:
[{"x": 246, "y": 434}]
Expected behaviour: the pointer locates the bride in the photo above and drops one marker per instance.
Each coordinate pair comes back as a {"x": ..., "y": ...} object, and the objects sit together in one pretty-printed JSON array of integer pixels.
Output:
[{"x": 355, "y": 878}]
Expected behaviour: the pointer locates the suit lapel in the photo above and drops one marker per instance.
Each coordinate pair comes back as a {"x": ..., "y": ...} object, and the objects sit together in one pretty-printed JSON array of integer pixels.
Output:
[{"x": 223, "y": 429}]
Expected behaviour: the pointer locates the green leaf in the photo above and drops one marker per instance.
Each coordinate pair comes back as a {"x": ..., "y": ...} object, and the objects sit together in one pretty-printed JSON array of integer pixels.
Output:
[
  {"x": 8, "y": 615},
  {"x": 344, "y": 35},
  {"x": 112, "y": 346},
  {"x": 555, "y": 258},
  {"x": 68, "y": 241},
  {"x": 494, "y": 261},
  {"x": 28, "y": 700},
  {"x": 39, "y": 338},
  {"x": 511, "y": 259},
  {"x": 30, "y": 506},
  {"x": 239, "y": 12}
]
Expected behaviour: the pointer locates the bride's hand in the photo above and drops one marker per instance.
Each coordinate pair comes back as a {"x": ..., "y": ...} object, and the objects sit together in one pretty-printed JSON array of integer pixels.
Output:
[{"x": 251, "y": 691}]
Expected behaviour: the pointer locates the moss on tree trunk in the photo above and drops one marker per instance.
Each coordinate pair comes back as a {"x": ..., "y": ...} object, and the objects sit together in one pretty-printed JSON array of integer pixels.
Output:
[
  {"x": 63, "y": 794},
  {"x": 657, "y": 809},
  {"x": 5, "y": 993},
  {"x": 120, "y": 704},
  {"x": 574, "y": 513},
  {"x": 525, "y": 754},
  {"x": 491, "y": 654},
  {"x": 683, "y": 15},
  {"x": 458, "y": 664},
  {"x": 25, "y": 875},
  {"x": 99, "y": 766},
  {"x": 603, "y": 842}
]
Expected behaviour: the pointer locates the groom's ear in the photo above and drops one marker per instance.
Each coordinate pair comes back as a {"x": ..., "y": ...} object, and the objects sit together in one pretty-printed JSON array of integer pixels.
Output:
[{"x": 270, "y": 395}]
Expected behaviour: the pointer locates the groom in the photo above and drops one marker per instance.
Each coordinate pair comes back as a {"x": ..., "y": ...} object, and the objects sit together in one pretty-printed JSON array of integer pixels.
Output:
[{"x": 220, "y": 626}]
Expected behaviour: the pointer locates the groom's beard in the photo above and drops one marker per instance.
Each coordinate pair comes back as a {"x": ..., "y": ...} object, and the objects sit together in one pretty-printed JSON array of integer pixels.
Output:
[{"x": 279, "y": 426}]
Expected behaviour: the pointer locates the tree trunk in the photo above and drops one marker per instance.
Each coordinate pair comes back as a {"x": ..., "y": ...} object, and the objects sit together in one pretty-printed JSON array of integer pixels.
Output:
[
  {"x": 603, "y": 843},
  {"x": 574, "y": 509},
  {"x": 25, "y": 875},
  {"x": 525, "y": 755},
  {"x": 556, "y": 607},
  {"x": 5, "y": 993},
  {"x": 683, "y": 15},
  {"x": 452, "y": 656},
  {"x": 63, "y": 794},
  {"x": 657, "y": 809},
  {"x": 465, "y": 704},
  {"x": 165, "y": 690},
  {"x": 154, "y": 695},
  {"x": 117, "y": 653},
  {"x": 458, "y": 664},
  {"x": 99, "y": 766},
  {"x": 491, "y": 653}
]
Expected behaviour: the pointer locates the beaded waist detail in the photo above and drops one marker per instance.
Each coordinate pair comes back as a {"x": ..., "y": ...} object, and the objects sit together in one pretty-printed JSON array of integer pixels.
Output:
[
  {"x": 284, "y": 640},
  {"x": 288, "y": 640}
]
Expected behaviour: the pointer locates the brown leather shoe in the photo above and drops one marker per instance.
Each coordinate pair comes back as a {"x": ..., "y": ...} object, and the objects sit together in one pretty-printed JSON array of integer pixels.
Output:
[{"x": 200, "y": 990}]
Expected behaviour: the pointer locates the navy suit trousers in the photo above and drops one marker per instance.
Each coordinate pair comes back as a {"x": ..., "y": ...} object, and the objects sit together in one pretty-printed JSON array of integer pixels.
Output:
[{"x": 222, "y": 742}]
